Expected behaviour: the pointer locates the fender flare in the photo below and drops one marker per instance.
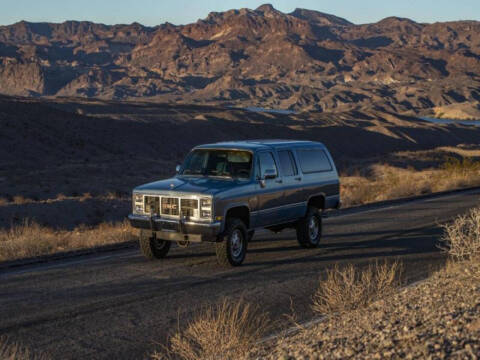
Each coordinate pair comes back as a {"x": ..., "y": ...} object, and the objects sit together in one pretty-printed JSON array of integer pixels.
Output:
[{"x": 232, "y": 206}]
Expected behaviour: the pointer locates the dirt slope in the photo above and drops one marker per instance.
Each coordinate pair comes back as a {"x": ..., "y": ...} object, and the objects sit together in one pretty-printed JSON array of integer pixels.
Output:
[{"x": 71, "y": 147}]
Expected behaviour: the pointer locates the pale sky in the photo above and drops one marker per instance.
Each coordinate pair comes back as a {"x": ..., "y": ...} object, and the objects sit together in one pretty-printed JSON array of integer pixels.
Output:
[{"x": 155, "y": 12}]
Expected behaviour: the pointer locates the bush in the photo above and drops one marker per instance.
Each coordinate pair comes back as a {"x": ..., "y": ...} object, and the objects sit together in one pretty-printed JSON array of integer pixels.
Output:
[
  {"x": 462, "y": 237},
  {"x": 30, "y": 239},
  {"x": 350, "y": 288},
  {"x": 225, "y": 331},
  {"x": 463, "y": 165},
  {"x": 15, "y": 352},
  {"x": 388, "y": 182}
]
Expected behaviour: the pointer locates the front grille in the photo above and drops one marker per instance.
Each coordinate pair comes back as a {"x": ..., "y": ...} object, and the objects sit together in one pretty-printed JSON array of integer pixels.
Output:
[
  {"x": 170, "y": 206},
  {"x": 152, "y": 205},
  {"x": 189, "y": 207}
]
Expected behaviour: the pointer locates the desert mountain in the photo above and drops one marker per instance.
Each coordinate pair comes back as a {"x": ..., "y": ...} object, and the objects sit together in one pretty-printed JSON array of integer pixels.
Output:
[{"x": 263, "y": 57}]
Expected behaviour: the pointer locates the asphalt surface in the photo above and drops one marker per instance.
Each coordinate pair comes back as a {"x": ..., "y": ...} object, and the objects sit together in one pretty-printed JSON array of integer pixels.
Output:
[{"x": 118, "y": 305}]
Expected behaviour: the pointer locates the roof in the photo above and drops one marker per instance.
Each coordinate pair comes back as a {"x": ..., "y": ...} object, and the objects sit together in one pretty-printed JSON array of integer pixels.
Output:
[{"x": 256, "y": 144}]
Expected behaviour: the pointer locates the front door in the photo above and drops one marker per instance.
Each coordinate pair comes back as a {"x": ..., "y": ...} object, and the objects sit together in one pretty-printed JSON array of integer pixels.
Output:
[{"x": 269, "y": 191}]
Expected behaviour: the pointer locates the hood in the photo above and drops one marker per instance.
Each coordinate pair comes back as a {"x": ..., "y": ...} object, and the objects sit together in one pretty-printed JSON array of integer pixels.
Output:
[{"x": 201, "y": 185}]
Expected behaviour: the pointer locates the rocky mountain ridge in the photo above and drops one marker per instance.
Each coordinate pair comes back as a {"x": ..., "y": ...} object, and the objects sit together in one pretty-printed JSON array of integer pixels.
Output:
[{"x": 305, "y": 60}]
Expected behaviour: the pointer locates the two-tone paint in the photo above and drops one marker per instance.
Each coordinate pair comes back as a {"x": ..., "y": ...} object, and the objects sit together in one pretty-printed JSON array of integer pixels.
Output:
[{"x": 273, "y": 203}]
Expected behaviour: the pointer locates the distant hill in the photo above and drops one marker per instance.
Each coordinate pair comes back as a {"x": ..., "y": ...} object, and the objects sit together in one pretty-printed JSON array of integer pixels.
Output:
[{"x": 263, "y": 57}]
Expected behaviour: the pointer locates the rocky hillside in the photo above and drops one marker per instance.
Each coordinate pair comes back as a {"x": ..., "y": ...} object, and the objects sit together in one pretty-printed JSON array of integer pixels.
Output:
[
  {"x": 435, "y": 319},
  {"x": 263, "y": 57}
]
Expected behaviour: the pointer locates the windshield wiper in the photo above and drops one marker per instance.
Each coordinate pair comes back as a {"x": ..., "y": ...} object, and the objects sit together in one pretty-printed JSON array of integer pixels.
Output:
[
  {"x": 198, "y": 174},
  {"x": 218, "y": 176}
]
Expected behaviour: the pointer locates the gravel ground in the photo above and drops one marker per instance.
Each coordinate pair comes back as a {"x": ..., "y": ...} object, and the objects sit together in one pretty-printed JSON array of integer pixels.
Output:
[{"x": 436, "y": 319}]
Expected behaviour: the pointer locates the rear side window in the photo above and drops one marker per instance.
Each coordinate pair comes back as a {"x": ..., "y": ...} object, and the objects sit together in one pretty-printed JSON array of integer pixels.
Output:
[
  {"x": 287, "y": 163},
  {"x": 313, "y": 160}
]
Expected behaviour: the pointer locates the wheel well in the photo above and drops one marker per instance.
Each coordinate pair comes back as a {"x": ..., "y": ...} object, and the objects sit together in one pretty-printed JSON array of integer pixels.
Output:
[
  {"x": 317, "y": 201},
  {"x": 241, "y": 212}
]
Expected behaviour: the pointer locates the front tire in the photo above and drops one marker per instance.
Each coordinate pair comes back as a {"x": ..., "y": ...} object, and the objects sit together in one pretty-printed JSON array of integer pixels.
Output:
[
  {"x": 232, "y": 250},
  {"x": 309, "y": 229},
  {"x": 151, "y": 247}
]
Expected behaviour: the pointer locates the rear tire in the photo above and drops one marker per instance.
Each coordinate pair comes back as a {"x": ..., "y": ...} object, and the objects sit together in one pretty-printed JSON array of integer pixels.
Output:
[
  {"x": 232, "y": 249},
  {"x": 151, "y": 247},
  {"x": 309, "y": 229}
]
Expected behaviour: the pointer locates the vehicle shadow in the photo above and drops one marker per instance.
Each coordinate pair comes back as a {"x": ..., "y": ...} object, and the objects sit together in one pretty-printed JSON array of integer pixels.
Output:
[
  {"x": 383, "y": 244},
  {"x": 414, "y": 241}
]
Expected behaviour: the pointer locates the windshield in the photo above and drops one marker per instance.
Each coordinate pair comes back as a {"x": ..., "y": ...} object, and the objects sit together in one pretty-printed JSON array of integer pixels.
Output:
[{"x": 222, "y": 163}]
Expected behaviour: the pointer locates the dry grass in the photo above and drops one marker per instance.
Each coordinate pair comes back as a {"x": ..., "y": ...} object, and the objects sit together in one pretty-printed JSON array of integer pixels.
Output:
[
  {"x": 462, "y": 237},
  {"x": 387, "y": 182},
  {"x": 225, "y": 331},
  {"x": 86, "y": 196},
  {"x": 15, "y": 352},
  {"x": 61, "y": 197},
  {"x": 346, "y": 289},
  {"x": 20, "y": 200},
  {"x": 371, "y": 319},
  {"x": 30, "y": 239},
  {"x": 435, "y": 319}
]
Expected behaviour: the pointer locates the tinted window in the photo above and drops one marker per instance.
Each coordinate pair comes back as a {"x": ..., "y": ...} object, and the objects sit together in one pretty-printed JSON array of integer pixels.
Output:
[
  {"x": 287, "y": 164},
  {"x": 266, "y": 162},
  {"x": 313, "y": 160},
  {"x": 223, "y": 163}
]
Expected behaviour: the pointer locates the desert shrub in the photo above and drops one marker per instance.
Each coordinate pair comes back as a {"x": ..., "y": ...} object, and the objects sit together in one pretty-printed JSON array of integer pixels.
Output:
[
  {"x": 86, "y": 196},
  {"x": 462, "y": 237},
  {"x": 114, "y": 195},
  {"x": 61, "y": 196},
  {"x": 29, "y": 239},
  {"x": 24, "y": 240},
  {"x": 387, "y": 182},
  {"x": 463, "y": 165},
  {"x": 357, "y": 190},
  {"x": 227, "y": 330},
  {"x": 19, "y": 200},
  {"x": 349, "y": 288},
  {"x": 15, "y": 352}
]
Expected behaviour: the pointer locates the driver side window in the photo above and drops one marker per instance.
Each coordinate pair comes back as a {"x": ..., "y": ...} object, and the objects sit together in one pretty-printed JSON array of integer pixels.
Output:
[{"x": 265, "y": 161}]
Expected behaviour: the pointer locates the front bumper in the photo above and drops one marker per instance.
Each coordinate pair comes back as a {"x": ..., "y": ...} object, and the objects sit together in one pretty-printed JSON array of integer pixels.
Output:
[{"x": 177, "y": 230}]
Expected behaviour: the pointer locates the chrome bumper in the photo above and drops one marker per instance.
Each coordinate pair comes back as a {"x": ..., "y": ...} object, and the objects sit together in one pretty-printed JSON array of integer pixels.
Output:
[{"x": 177, "y": 230}]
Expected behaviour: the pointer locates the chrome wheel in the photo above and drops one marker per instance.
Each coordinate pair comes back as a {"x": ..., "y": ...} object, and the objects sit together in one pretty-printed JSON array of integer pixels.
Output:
[
  {"x": 236, "y": 243},
  {"x": 313, "y": 228},
  {"x": 309, "y": 229},
  {"x": 232, "y": 248}
]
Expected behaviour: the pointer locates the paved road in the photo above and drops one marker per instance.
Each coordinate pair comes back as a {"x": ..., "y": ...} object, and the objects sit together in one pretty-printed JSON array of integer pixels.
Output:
[{"x": 118, "y": 305}]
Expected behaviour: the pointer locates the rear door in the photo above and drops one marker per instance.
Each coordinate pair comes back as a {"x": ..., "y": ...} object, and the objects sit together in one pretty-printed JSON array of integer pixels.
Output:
[
  {"x": 293, "y": 205},
  {"x": 319, "y": 176}
]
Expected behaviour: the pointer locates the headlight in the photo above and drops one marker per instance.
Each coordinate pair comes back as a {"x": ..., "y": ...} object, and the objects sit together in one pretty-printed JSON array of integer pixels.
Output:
[
  {"x": 206, "y": 214},
  {"x": 206, "y": 208},
  {"x": 137, "y": 203},
  {"x": 206, "y": 203},
  {"x": 138, "y": 198}
]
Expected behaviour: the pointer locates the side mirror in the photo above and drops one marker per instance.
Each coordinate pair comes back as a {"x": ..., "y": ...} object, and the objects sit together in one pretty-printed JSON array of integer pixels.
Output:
[
  {"x": 177, "y": 168},
  {"x": 269, "y": 174}
]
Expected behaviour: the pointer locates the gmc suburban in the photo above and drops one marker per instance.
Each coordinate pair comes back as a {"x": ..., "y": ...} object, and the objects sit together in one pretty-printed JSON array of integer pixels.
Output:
[{"x": 224, "y": 192}]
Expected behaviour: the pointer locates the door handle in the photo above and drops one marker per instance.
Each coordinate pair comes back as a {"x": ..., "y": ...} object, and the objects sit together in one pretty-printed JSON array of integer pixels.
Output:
[
  {"x": 279, "y": 181},
  {"x": 298, "y": 178}
]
